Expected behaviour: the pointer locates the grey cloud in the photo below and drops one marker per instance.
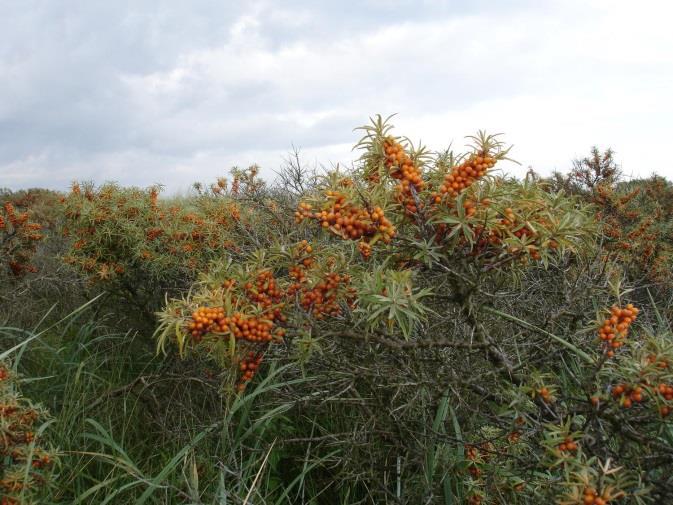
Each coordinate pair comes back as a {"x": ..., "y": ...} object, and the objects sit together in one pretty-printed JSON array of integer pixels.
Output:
[
  {"x": 66, "y": 62},
  {"x": 142, "y": 91}
]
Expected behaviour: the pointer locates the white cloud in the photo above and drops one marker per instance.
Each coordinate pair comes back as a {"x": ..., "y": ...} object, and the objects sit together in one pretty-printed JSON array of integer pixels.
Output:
[{"x": 556, "y": 77}]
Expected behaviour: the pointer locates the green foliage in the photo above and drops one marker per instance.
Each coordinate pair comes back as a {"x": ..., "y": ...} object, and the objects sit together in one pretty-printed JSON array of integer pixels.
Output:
[
  {"x": 26, "y": 461},
  {"x": 416, "y": 330},
  {"x": 19, "y": 235},
  {"x": 139, "y": 246},
  {"x": 634, "y": 216},
  {"x": 387, "y": 303}
]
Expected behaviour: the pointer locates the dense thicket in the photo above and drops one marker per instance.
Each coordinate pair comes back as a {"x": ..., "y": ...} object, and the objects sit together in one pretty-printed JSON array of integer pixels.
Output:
[{"x": 419, "y": 329}]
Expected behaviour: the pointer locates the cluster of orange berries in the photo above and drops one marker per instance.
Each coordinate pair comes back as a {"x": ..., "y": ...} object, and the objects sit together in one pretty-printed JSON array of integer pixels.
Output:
[
  {"x": 509, "y": 219},
  {"x": 635, "y": 238},
  {"x": 19, "y": 268},
  {"x": 298, "y": 272},
  {"x": 478, "y": 453},
  {"x": 472, "y": 454},
  {"x": 248, "y": 367},
  {"x": 249, "y": 328},
  {"x": 42, "y": 461},
  {"x": 592, "y": 497},
  {"x": 322, "y": 299},
  {"x": 348, "y": 221},
  {"x": 545, "y": 394},
  {"x": 265, "y": 291},
  {"x": 641, "y": 231},
  {"x": 15, "y": 219},
  {"x": 401, "y": 167},
  {"x": 304, "y": 211},
  {"x": 666, "y": 391},
  {"x": 464, "y": 175},
  {"x": 205, "y": 320},
  {"x": 266, "y": 295},
  {"x": 470, "y": 206},
  {"x": 303, "y": 250},
  {"x": 613, "y": 332},
  {"x": 568, "y": 445},
  {"x": 20, "y": 240},
  {"x": 18, "y": 422},
  {"x": 628, "y": 395},
  {"x": 154, "y": 233},
  {"x": 365, "y": 249},
  {"x": 234, "y": 212},
  {"x": 523, "y": 232},
  {"x": 474, "y": 499}
]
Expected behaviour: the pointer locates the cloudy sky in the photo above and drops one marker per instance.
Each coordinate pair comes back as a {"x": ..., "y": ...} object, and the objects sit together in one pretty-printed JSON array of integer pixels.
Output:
[{"x": 176, "y": 91}]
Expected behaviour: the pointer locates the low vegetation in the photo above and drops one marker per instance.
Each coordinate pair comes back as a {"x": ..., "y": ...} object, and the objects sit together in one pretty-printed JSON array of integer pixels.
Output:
[{"x": 419, "y": 329}]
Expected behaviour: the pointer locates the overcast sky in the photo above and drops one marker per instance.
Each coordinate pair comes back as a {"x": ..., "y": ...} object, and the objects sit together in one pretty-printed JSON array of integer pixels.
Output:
[{"x": 177, "y": 91}]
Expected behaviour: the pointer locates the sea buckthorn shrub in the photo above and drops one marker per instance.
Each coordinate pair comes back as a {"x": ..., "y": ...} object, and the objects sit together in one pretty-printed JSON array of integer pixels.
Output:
[
  {"x": 19, "y": 235},
  {"x": 32, "y": 275},
  {"x": 614, "y": 330},
  {"x": 636, "y": 220},
  {"x": 420, "y": 328},
  {"x": 239, "y": 310},
  {"x": 338, "y": 208},
  {"x": 635, "y": 216},
  {"x": 405, "y": 293},
  {"x": 461, "y": 207},
  {"x": 141, "y": 246},
  {"x": 26, "y": 462}
]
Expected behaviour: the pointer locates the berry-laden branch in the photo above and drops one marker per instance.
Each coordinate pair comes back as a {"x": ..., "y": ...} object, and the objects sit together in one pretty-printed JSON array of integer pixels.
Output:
[
  {"x": 25, "y": 460},
  {"x": 18, "y": 239},
  {"x": 341, "y": 213},
  {"x": 417, "y": 266},
  {"x": 244, "y": 309},
  {"x": 613, "y": 332}
]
